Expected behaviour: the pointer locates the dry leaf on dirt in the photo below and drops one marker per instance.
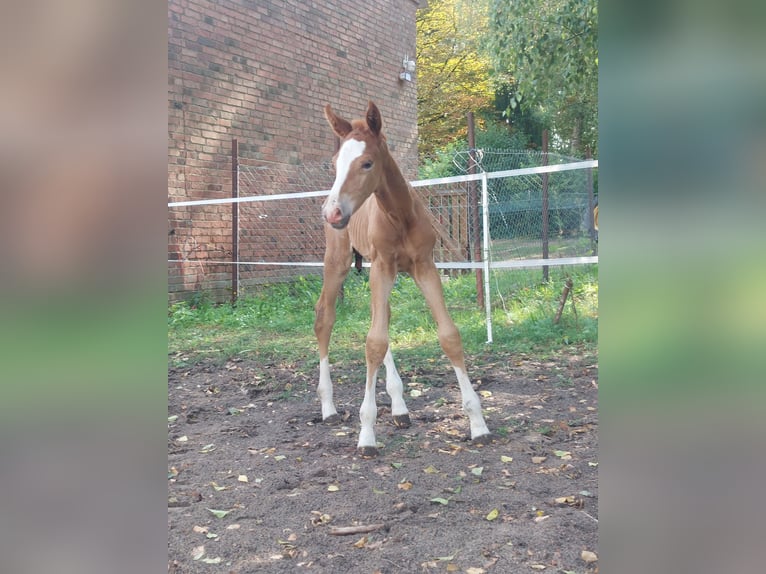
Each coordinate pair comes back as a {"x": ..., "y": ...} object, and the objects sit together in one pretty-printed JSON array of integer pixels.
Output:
[
  {"x": 493, "y": 514},
  {"x": 406, "y": 485},
  {"x": 219, "y": 513},
  {"x": 588, "y": 556}
]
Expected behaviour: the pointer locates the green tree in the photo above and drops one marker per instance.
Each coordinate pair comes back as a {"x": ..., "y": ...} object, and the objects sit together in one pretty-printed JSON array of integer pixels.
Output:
[
  {"x": 454, "y": 74},
  {"x": 547, "y": 50}
]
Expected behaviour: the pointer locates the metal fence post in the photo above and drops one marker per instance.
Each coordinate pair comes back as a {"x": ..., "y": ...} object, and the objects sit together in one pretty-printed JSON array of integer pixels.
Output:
[
  {"x": 234, "y": 221},
  {"x": 545, "y": 205},
  {"x": 474, "y": 253}
]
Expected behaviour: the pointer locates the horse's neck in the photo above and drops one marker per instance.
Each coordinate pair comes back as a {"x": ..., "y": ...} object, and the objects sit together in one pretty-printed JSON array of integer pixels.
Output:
[{"x": 394, "y": 196}]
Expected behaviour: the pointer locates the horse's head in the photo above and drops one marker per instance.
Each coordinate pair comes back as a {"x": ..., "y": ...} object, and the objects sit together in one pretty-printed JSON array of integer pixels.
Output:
[{"x": 358, "y": 165}]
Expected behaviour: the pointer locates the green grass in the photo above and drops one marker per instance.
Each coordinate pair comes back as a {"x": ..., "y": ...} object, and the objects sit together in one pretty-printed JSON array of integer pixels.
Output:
[{"x": 276, "y": 324}]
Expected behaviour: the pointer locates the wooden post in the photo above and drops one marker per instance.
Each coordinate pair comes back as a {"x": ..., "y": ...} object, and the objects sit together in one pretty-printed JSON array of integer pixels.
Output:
[
  {"x": 234, "y": 221},
  {"x": 545, "y": 205},
  {"x": 474, "y": 236}
]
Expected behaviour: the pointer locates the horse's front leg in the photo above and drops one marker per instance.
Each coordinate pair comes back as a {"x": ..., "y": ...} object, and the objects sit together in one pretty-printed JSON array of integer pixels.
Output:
[
  {"x": 336, "y": 266},
  {"x": 382, "y": 277},
  {"x": 427, "y": 278}
]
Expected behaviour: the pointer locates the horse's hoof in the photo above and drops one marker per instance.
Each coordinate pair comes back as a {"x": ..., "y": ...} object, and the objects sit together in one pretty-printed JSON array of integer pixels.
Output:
[
  {"x": 402, "y": 421},
  {"x": 368, "y": 451},
  {"x": 483, "y": 440},
  {"x": 332, "y": 419}
]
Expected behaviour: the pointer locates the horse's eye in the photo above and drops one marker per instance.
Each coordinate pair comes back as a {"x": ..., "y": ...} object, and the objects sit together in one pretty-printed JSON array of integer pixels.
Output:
[{"x": 367, "y": 165}]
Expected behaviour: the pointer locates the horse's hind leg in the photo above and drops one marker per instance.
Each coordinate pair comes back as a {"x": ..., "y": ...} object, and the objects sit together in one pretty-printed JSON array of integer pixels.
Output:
[
  {"x": 395, "y": 390},
  {"x": 336, "y": 266}
]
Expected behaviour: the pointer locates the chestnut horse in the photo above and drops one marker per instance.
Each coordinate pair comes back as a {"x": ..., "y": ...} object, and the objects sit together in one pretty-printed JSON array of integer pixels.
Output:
[{"x": 372, "y": 209}]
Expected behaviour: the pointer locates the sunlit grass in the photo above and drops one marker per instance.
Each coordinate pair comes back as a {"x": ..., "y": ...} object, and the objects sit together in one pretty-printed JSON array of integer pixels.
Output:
[{"x": 276, "y": 324}]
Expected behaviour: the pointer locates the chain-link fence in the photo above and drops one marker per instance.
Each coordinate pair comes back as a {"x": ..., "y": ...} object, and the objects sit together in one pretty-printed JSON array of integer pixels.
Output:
[{"x": 279, "y": 233}]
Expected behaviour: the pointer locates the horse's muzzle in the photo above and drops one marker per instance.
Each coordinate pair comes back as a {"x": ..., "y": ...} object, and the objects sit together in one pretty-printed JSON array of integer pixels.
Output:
[{"x": 337, "y": 219}]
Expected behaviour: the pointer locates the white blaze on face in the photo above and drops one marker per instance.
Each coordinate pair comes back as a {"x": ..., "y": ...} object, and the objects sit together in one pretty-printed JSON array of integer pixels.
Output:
[{"x": 349, "y": 151}]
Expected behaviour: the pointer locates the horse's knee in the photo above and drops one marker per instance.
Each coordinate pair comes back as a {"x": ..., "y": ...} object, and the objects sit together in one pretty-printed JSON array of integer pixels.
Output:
[
  {"x": 375, "y": 349},
  {"x": 451, "y": 343}
]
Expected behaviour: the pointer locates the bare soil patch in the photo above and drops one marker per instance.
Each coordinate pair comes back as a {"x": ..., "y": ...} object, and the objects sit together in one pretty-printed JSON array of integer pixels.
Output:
[{"x": 247, "y": 438}]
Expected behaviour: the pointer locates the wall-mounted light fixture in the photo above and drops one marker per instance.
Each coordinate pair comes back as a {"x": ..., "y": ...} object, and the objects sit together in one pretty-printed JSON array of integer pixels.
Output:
[{"x": 408, "y": 66}]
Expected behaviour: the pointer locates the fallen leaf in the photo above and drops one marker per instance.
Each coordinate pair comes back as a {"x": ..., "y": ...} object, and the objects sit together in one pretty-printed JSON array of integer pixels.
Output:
[
  {"x": 440, "y": 500},
  {"x": 280, "y": 457},
  {"x": 538, "y": 459},
  {"x": 414, "y": 393},
  {"x": 493, "y": 514},
  {"x": 333, "y": 488},
  {"x": 537, "y": 566},
  {"x": 211, "y": 535},
  {"x": 200, "y": 529},
  {"x": 485, "y": 394},
  {"x": 173, "y": 418},
  {"x": 198, "y": 552},
  {"x": 445, "y": 558},
  {"x": 396, "y": 464},
  {"x": 563, "y": 454},
  {"x": 473, "y": 570},
  {"x": 378, "y": 491},
  {"x": 592, "y": 464},
  {"x": 430, "y": 470},
  {"x": 214, "y": 485},
  {"x": 361, "y": 542},
  {"x": 506, "y": 458},
  {"x": 320, "y": 518},
  {"x": 588, "y": 556},
  {"x": 207, "y": 448},
  {"x": 216, "y": 560},
  {"x": 477, "y": 471},
  {"x": 541, "y": 518},
  {"x": 406, "y": 485},
  {"x": 182, "y": 438},
  {"x": 233, "y": 527},
  {"x": 219, "y": 513},
  {"x": 242, "y": 478}
]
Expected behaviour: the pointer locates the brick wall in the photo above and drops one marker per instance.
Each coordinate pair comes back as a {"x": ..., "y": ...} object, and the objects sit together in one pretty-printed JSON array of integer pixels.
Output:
[{"x": 261, "y": 71}]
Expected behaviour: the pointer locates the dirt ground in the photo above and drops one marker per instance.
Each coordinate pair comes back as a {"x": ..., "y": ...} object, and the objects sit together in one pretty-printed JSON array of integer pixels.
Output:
[{"x": 247, "y": 439}]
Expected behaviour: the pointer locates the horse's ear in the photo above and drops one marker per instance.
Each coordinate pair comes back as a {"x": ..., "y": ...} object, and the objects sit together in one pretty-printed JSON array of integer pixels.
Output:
[
  {"x": 374, "y": 121},
  {"x": 340, "y": 126}
]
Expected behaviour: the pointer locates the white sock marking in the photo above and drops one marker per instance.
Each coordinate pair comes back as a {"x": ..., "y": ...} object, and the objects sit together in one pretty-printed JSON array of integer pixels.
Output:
[
  {"x": 394, "y": 386},
  {"x": 324, "y": 389},
  {"x": 471, "y": 405}
]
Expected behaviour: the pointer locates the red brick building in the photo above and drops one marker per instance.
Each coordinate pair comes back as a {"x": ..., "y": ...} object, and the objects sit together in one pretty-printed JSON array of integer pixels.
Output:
[{"x": 261, "y": 72}]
